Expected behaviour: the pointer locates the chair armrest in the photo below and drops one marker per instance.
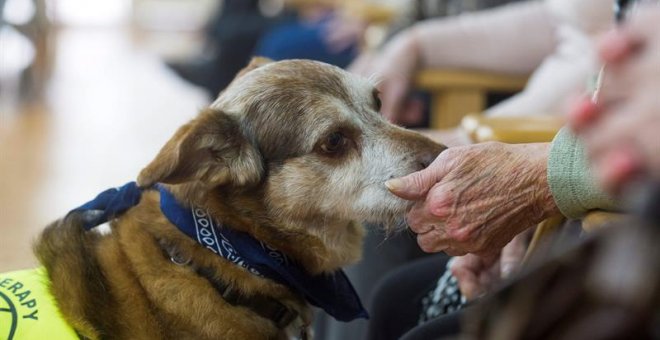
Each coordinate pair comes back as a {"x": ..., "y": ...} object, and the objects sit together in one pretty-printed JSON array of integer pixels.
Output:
[
  {"x": 369, "y": 12},
  {"x": 597, "y": 219},
  {"x": 592, "y": 222},
  {"x": 456, "y": 93},
  {"x": 439, "y": 79},
  {"x": 302, "y": 4},
  {"x": 528, "y": 129}
]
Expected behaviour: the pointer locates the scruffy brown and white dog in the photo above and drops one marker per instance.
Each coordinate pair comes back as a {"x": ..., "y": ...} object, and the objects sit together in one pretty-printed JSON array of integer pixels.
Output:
[{"x": 292, "y": 155}]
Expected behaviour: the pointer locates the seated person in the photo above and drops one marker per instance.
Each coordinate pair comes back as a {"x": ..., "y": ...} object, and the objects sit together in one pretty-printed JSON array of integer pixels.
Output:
[
  {"x": 475, "y": 199},
  {"x": 454, "y": 194},
  {"x": 550, "y": 38}
]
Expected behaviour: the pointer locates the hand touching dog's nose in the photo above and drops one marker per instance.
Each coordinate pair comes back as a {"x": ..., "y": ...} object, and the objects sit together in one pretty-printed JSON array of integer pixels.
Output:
[{"x": 475, "y": 199}]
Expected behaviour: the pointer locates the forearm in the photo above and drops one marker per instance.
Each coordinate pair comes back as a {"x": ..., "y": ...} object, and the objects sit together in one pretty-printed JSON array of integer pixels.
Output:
[
  {"x": 510, "y": 39},
  {"x": 572, "y": 185}
]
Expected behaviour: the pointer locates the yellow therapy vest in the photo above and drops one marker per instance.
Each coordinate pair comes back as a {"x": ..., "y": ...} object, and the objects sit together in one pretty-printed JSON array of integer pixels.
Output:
[{"x": 28, "y": 310}]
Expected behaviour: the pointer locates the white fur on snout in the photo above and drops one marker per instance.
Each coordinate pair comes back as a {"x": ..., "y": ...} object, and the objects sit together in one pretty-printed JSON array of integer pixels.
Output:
[
  {"x": 351, "y": 190},
  {"x": 381, "y": 160}
]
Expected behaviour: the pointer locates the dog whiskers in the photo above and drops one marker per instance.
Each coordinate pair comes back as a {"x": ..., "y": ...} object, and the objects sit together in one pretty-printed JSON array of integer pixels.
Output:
[{"x": 375, "y": 79}]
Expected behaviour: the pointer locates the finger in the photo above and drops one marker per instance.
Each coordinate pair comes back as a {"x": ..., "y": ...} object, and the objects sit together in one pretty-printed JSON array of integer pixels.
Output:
[
  {"x": 618, "y": 84},
  {"x": 433, "y": 241},
  {"x": 617, "y": 168},
  {"x": 470, "y": 261},
  {"x": 422, "y": 228},
  {"x": 453, "y": 251},
  {"x": 631, "y": 38},
  {"x": 468, "y": 284},
  {"x": 439, "y": 202},
  {"x": 421, "y": 219},
  {"x": 616, "y": 46},
  {"x": 418, "y": 217},
  {"x": 416, "y": 185},
  {"x": 468, "y": 281},
  {"x": 620, "y": 125},
  {"x": 583, "y": 113},
  {"x": 512, "y": 256}
]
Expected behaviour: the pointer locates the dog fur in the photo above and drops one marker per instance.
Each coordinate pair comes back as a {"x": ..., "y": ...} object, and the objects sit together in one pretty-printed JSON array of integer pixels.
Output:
[{"x": 293, "y": 153}]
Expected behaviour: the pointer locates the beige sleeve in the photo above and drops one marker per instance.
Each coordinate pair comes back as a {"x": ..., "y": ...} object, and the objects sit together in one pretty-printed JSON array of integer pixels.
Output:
[
  {"x": 565, "y": 72},
  {"x": 509, "y": 39},
  {"x": 571, "y": 181}
]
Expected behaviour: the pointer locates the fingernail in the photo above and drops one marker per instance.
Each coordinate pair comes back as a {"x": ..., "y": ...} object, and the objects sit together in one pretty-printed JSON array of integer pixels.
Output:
[{"x": 394, "y": 184}]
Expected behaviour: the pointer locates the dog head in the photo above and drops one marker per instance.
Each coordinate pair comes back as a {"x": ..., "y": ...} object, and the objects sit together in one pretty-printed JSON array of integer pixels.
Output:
[{"x": 304, "y": 135}]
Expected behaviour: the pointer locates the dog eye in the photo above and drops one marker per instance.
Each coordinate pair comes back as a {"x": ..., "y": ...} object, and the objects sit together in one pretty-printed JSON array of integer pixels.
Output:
[
  {"x": 333, "y": 143},
  {"x": 376, "y": 94}
]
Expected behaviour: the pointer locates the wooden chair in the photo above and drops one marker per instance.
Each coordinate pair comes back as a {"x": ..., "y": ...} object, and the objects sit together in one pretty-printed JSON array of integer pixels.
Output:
[
  {"x": 371, "y": 13},
  {"x": 456, "y": 93},
  {"x": 513, "y": 130}
]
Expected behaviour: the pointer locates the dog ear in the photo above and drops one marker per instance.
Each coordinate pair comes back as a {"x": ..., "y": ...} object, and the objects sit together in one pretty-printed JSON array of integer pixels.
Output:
[
  {"x": 255, "y": 63},
  {"x": 210, "y": 149}
]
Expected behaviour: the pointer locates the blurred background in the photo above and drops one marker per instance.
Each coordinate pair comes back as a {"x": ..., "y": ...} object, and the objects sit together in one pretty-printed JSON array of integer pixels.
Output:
[
  {"x": 85, "y": 101},
  {"x": 90, "y": 90}
]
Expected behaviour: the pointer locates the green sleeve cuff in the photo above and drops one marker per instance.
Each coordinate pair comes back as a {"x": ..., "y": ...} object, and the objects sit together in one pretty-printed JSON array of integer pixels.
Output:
[{"x": 571, "y": 182}]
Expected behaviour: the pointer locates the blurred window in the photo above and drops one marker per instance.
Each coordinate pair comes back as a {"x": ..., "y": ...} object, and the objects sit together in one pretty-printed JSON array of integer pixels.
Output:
[
  {"x": 92, "y": 12},
  {"x": 18, "y": 12}
]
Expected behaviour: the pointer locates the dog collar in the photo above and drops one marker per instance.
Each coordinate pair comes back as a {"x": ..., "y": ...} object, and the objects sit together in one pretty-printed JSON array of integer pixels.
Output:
[
  {"x": 331, "y": 292},
  {"x": 265, "y": 306}
]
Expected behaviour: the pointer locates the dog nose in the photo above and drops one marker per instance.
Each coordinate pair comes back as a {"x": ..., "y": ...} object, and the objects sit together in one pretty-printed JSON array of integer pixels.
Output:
[{"x": 424, "y": 159}]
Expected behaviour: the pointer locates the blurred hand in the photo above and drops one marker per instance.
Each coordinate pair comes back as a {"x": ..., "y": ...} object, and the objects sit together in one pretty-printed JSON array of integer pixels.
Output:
[
  {"x": 621, "y": 132},
  {"x": 343, "y": 32},
  {"x": 477, "y": 275},
  {"x": 393, "y": 69},
  {"x": 448, "y": 137},
  {"x": 476, "y": 198}
]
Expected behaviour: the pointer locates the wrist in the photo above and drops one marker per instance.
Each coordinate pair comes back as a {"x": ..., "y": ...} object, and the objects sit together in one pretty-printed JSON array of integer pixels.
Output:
[
  {"x": 536, "y": 156},
  {"x": 543, "y": 198}
]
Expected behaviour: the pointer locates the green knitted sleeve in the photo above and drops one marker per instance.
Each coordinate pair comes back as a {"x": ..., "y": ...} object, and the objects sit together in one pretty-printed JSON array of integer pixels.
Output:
[{"x": 572, "y": 185}]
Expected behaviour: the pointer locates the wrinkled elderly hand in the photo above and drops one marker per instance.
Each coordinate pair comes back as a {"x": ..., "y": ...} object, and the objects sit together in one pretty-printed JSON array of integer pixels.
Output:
[
  {"x": 393, "y": 69},
  {"x": 475, "y": 199},
  {"x": 477, "y": 275},
  {"x": 622, "y": 131}
]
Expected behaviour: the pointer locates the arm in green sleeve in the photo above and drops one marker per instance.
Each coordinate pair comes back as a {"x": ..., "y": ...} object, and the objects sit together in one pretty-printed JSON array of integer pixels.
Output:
[{"x": 571, "y": 182}]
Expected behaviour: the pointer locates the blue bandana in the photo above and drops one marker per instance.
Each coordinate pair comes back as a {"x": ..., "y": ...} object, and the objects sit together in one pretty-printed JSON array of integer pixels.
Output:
[{"x": 333, "y": 292}]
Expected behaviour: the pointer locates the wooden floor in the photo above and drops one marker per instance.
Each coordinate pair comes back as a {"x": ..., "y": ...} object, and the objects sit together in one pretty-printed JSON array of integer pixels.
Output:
[{"x": 109, "y": 107}]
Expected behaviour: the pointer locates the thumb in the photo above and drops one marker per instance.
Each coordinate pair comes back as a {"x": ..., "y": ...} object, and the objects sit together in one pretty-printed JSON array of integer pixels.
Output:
[
  {"x": 416, "y": 185},
  {"x": 468, "y": 283}
]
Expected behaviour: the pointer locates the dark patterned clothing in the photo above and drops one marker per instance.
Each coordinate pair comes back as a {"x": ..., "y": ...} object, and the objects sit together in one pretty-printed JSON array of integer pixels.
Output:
[{"x": 444, "y": 298}]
